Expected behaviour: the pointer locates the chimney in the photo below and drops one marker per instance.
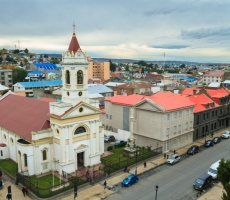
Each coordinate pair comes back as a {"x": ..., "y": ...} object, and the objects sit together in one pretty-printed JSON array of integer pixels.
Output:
[{"x": 194, "y": 91}]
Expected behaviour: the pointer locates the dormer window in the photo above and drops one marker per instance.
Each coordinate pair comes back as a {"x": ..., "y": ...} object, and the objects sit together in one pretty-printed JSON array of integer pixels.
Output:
[
  {"x": 67, "y": 77},
  {"x": 207, "y": 105}
]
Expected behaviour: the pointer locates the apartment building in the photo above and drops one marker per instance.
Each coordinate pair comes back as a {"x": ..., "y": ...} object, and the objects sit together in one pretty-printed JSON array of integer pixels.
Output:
[
  {"x": 213, "y": 76},
  {"x": 99, "y": 70},
  {"x": 6, "y": 78}
]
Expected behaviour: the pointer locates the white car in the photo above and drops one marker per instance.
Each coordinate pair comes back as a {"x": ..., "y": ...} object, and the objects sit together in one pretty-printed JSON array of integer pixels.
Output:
[
  {"x": 173, "y": 159},
  {"x": 226, "y": 134}
]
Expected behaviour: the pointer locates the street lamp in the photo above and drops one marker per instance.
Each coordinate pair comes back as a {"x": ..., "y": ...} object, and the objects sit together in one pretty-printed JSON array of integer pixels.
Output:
[
  {"x": 156, "y": 192},
  {"x": 137, "y": 149}
]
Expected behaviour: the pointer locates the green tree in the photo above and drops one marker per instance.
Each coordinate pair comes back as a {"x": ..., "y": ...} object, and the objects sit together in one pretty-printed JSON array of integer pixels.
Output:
[
  {"x": 112, "y": 66},
  {"x": 19, "y": 75},
  {"x": 223, "y": 174},
  {"x": 126, "y": 68},
  {"x": 26, "y": 50},
  {"x": 16, "y": 51},
  {"x": 46, "y": 56},
  {"x": 1, "y": 59},
  {"x": 142, "y": 63},
  {"x": 21, "y": 64}
]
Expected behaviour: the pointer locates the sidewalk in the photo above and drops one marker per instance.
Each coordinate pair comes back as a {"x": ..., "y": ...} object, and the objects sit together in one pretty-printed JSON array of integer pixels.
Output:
[
  {"x": 97, "y": 191},
  {"x": 16, "y": 192},
  {"x": 214, "y": 194}
]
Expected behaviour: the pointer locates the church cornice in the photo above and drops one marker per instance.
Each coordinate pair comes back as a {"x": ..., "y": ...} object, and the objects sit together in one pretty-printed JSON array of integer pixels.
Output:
[{"x": 76, "y": 63}]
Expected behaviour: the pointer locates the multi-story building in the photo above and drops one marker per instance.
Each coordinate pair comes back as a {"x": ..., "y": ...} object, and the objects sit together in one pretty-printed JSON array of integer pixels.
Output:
[
  {"x": 163, "y": 119},
  {"x": 99, "y": 70},
  {"x": 6, "y": 78},
  {"x": 213, "y": 76},
  {"x": 211, "y": 112}
]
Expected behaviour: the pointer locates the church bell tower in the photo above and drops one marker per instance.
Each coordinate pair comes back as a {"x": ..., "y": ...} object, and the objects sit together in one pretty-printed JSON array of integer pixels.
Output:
[{"x": 74, "y": 73}]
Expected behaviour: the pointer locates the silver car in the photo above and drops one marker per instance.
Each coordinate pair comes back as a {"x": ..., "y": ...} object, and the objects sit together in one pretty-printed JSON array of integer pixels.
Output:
[
  {"x": 226, "y": 134},
  {"x": 173, "y": 159}
]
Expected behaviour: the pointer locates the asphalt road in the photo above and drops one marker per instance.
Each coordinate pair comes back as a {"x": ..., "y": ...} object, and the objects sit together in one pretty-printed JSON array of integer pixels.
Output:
[{"x": 175, "y": 182}]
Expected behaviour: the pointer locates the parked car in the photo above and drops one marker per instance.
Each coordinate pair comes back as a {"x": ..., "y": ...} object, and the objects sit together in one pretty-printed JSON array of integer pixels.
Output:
[
  {"x": 209, "y": 143},
  {"x": 203, "y": 182},
  {"x": 131, "y": 179},
  {"x": 120, "y": 143},
  {"x": 216, "y": 140},
  {"x": 193, "y": 149},
  {"x": 173, "y": 159},
  {"x": 226, "y": 135},
  {"x": 213, "y": 169},
  {"x": 110, "y": 138}
]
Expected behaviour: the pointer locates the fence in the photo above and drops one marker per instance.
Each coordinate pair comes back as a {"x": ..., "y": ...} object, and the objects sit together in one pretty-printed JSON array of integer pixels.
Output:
[{"x": 143, "y": 154}]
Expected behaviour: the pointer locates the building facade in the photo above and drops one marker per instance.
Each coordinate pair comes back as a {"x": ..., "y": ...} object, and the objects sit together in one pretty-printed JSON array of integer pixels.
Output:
[
  {"x": 213, "y": 76},
  {"x": 6, "y": 78},
  {"x": 99, "y": 70}
]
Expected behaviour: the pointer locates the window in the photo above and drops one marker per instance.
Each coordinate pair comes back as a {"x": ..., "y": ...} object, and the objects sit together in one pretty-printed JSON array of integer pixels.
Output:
[
  {"x": 110, "y": 117},
  {"x": 167, "y": 132},
  {"x": 190, "y": 124},
  {"x": 12, "y": 141},
  {"x": 187, "y": 111},
  {"x": 212, "y": 113},
  {"x": 25, "y": 160},
  {"x": 168, "y": 116},
  {"x": 4, "y": 136},
  {"x": 80, "y": 130},
  {"x": 79, "y": 77},
  {"x": 44, "y": 154},
  {"x": 175, "y": 114},
  {"x": 204, "y": 116},
  {"x": 1, "y": 153},
  {"x": 107, "y": 116},
  {"x": 180, "y": 113},
  {"x": 67, "y": 77},
  {"x": 186, "y": 126},
  {"x": 179, "y": 128},
  {"x": 191, "y": 111},
  {"x": 175, "y": 129}
]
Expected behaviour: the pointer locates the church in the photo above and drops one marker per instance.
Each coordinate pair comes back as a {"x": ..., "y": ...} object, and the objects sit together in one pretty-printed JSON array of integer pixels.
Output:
[{"x": 60, "y": 136}]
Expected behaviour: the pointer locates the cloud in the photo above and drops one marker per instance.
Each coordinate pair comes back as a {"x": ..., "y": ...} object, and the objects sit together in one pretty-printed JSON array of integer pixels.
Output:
[
  {"x": 169, "y": 46},
  {"x": 205, "y": 33},
  {"x": 162, "y": 11}
]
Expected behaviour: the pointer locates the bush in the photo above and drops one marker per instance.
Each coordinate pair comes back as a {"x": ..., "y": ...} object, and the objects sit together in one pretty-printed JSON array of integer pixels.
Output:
[
  {"x": 110, "y": 148},
  {"x": 120, "y": 145}
]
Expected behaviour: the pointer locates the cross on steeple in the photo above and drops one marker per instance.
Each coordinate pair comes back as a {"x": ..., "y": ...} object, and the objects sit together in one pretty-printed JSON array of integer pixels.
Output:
[{"x": 73, "y": 27}]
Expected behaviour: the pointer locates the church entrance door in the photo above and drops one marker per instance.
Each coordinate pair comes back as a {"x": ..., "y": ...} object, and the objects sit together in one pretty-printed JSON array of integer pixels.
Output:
[{"x": 80, "y": 160}]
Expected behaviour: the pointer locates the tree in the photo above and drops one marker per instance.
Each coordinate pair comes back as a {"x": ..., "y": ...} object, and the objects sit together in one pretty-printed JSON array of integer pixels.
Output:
[
  {"x": 182, "y": 65},
  {"x": 19, "y": 75},
  {"x": 1, "y": 59},
  {"x": 16, "y": 51},
  {"x": 223, "y": 174},
  {"x": 126, "y": 68},
  {"x": 142, "y": 63},
  {"x": 112, "y": 66},
  {"x": 26, "y": 50},
  {"x": 46, "y": 56}
]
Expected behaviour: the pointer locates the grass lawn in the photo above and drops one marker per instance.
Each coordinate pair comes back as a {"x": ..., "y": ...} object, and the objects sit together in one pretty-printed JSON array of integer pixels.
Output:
[{"x": 9, "y": 166}]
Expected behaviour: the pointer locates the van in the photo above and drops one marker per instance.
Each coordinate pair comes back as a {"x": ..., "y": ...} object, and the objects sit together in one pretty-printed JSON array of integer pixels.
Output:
[
  {"x": 213, "y": 169},
  {"x": 203, "y": 182}
]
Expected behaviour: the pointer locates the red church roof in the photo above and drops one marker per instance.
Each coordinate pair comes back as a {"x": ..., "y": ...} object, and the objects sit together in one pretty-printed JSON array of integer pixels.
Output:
[
  {"x": 74, "y": 45},
  {"x": 23, "y": 115}
]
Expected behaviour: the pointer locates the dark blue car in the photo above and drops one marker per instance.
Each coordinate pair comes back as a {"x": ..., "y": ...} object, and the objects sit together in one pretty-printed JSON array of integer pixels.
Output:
[
  {"x": 209, "y": 143},
  {"x": 131, "y": 179}
]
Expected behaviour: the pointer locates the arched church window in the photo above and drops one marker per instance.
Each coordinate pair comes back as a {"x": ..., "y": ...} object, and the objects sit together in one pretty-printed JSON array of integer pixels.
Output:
[
  {"x": 44, "y": 154},
  {"x": 1, "y": 153},
  {"x": 79, "y": 77},
  {"x": 79, "y": 130},
  {"x": 67, "y": 77},
  {"x": 25, "y": 160}
]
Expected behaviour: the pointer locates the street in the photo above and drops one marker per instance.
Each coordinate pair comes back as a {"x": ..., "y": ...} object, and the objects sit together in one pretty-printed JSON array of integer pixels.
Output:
[{"x": 175, "y": 182}]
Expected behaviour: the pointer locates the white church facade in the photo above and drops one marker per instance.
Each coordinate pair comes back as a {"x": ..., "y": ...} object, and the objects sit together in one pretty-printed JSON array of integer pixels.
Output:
[{"x": 60, "y": 136}]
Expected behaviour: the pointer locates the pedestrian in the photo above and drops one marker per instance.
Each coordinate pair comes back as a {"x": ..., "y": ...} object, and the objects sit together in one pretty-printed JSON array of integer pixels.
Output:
[
  {"x": 27, "y": 190},
  {"x": 24, "y": 191},
  {"x": 145, "y": 164},
  {"x": 128, "y": 170},
  {"x": 212, "y": 135},
  {"x": 9, "y": 196},
  {"x": 125, "y": 169},
  {"x": 203, "y": 135},
  {"x": 174, "y": 151},
  {"x": 105, "y": 184},
  {"x": 1, "y": 184}
]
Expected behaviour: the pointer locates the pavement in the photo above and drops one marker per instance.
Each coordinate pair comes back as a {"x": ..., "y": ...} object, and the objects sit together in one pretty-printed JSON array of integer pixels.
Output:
[{"x": 97, "y": 191}]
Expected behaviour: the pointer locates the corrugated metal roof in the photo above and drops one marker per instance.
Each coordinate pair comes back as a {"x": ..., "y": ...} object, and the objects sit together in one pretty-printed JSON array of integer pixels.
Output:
[
  {"x": 23, "y": 115},
  {"x": 41, "y": 83},
  {"x": 93, "y": 89}
]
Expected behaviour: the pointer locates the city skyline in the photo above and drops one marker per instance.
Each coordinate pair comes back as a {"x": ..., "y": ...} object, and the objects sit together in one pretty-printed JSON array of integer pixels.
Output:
[{"x": 196, "y": 31}]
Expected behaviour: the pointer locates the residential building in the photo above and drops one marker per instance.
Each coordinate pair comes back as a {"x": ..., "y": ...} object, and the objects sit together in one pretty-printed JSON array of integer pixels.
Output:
[
  {"x": 162, "y": 119},
  {"x": 133, "y": 88},
  {"x": 213, "y": 76},
  {"x": 99, "y": 70},
  {"x": 6, "y": 78}
]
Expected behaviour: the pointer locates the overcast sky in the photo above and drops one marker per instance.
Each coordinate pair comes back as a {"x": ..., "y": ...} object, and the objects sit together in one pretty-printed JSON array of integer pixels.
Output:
[{"x": 186, "y": 30}]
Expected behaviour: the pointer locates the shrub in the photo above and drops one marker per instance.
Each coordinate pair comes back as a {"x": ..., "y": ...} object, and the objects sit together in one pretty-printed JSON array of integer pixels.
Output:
[{"x": 110, "y": 148}]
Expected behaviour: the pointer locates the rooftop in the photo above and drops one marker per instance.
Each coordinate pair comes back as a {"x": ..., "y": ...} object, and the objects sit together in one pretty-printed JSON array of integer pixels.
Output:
[{"x": 216, "y": 73}]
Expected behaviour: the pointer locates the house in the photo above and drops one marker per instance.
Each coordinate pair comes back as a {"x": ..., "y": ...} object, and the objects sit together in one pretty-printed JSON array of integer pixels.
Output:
[
  {"x": 213, "y": 76},
  {"x": 162, "y": 119}
]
